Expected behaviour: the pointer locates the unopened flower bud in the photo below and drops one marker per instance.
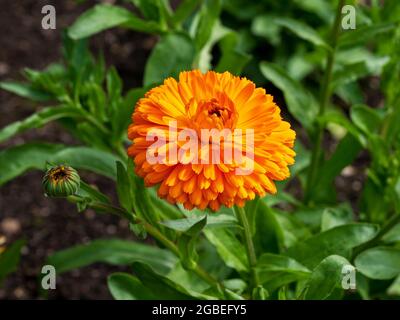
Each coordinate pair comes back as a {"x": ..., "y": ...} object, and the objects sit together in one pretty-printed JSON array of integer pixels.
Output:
[{"x": 61, "y": 181}]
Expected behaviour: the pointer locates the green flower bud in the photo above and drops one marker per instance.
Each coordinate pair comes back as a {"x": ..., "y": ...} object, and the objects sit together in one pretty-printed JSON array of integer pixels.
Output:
[{"x": 61, "y": 181}]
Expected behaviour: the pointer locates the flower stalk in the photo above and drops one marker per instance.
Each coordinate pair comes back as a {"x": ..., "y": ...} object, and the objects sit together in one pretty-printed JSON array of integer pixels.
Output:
[
  {"x": 325, "y": 96},
  {"x": 249, "y": 245}
]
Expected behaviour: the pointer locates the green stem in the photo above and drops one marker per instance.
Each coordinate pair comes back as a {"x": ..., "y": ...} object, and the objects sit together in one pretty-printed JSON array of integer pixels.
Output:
[
  {"x": 151, "y": 230},
  {"x": 325, "y": 96},
  {"x": 251, "y": 253},
  {"x": 393, "y": 220}
]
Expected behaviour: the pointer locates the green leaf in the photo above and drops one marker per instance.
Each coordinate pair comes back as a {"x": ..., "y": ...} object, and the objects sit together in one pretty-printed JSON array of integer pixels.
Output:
[
  {"x": 301, "y": 30},
  {"x": 267, "y": 232},
  {"x": 123, "y": 187},
  {"x": 184, "y": 10},
  {"x": 105, "y": 16},
  {"x": 25, "y": 90},
  {"x": 229, "y": 248},
  {"x": 263, "y": 26},
  {"x": 325, "y": 278},
  {"x": 124, "y": 286},
  {"x": 13, "y": 160},
  {"x": 174, "y": 53},
  {"x": 121, "y": 116},
  {"x": 232, "y": 58},
  {"x": 300, "y": 102},
  {"x": 379, "y": 263},
  {"x": 92, "y": 193},
  {"x": 362, "y": 34},
  {"x": 291, "y": 230},
  {"x": 365, "y": 118},
  {"x": 208, "y": 16},
  {"x": 187, "y": 243},
  {"x": 112, "y": 251},
  {"x": 275, "y": 270},
  {"x": 9, "y": 259},
  {"x": 345, "y": 153},
  {"x": 337, "y": 216},
  {"x": 312, "y": 250},
  {"x": 38, "y": 120},
  {"x": 163, "y": 287},
  {"x": 394, "y": 289},
  {"x": 215, "y": 220},
  {"x": 393, "y": 235}
]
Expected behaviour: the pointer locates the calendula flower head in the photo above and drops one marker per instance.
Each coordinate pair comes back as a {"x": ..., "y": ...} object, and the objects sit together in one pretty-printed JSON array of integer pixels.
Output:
[
  {"x": 61, "y": 181},
  {"x": 209, "y": 140}
]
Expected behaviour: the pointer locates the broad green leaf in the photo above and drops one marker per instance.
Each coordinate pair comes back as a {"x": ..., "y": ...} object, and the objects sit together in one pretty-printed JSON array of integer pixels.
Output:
[
  {"x": 38, "y": 120},
  {"x": 229, "y": 248},
  {"x": 184, "y": 10},
  {"x": 337, "y": 216},
  {"x": 363, "y": 34},
  {"x": 312, "y": 250},
  {"x": 339, "y": 118},
  {"x": 263, "y": 26},
  {"x": 9, "y": 259},
  {"x": 345, "y": 153},
  {"x": 86, "y": 158},
  {"x": 301, "y": 103},
  {"x": 355, "y": 64},
  {"x": 13, "y": 160},
  {"x": 365, "y": 118},
  {"x": 275, "y": 270},
  {"x": 291, "y": 230},
  {"x": 121, "y": 116},
  {"x": 25, "y": 90},
  {"x": 379, "y": 263},
  {"x": 174, "y": 53},
  {"x": 187, "y": 243},
  {"x": 269, "y": 26},
  {"x": 187, "y": 279},
  {"x": 301, "y": 30},
  {"x": 393, "y": 235},
  {"x": 151, "y": 9},
  {"x": 394, "y": 289},
  {"x": 123, "y": 187},
  {"x": 204, "y": 57},
  {"x": 267, "y": 231},
  {"x": 164, "y": 288},
  {"x": 208, "y": 16},
  {"x": 232, "y": 58},
  {"x": 325, "y": 278},
  {"x": 124, "y": 286},
  {"x": 276, "y": 262},
  {"x": 112, "y": 251},
  {"x": 105, "y": 16},
  {"x": 215, "y": 220}
]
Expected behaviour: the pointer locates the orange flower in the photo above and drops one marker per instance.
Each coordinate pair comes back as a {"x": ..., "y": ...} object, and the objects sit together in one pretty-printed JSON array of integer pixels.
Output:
[{"x": 213, "y": 101}]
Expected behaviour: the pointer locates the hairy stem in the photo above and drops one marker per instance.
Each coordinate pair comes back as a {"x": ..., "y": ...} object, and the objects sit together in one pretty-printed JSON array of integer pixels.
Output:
[
  {"x": 325, "y": 96},
  {"x": 251, "y": 253}
]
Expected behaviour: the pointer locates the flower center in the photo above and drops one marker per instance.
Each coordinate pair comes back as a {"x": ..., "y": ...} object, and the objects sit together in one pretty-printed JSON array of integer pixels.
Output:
[
  {"x": 217, "y": 113},
  {"x": 59, "y": 174}
]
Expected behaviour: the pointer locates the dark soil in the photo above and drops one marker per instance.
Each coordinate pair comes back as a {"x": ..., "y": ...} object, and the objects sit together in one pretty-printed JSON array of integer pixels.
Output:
[{"x": 48, "y": 225}]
